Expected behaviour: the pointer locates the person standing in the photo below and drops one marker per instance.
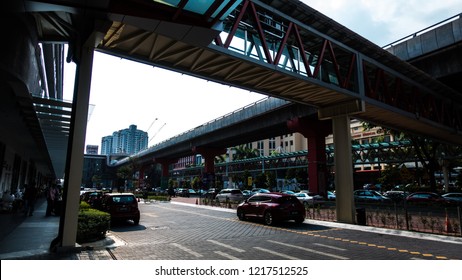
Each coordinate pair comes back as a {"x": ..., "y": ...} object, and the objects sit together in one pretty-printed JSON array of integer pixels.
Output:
[
  {"x": 52, "y": 195},
  {"x": 30, "y": 196}
]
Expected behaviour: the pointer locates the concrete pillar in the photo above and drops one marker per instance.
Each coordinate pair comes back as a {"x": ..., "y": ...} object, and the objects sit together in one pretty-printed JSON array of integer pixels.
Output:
[
  {"x": 343, "y": 169},
  {"x": 316, "y": 132},
  {"x": 141, "y": 177},
  {"x": 76, "y": 145},
  {"x": 209, "y": 154},
  {"x": 165, "y": 164}
]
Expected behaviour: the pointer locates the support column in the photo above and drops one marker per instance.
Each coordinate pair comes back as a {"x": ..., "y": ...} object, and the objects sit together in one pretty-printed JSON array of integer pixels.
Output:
[
  {"x": 209, "y": 155},
  {"x": 83, "y": 55},
  {"x": 74, "y": 164},
  {"x": 343, "y": 169},
  {"x": 165, "y": 164},
  {"x": 316, "y": 132},
  {"x": 141, "y": 177}
]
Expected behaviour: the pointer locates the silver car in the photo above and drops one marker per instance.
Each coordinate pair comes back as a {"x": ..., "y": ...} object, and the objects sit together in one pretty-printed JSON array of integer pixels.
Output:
[{"x": 231, "y": 195}]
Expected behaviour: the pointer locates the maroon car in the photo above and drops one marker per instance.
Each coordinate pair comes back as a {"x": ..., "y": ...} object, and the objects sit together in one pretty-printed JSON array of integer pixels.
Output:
[
  {"x": 272, "y": 208},
  {"x": 426, "y": 197}
]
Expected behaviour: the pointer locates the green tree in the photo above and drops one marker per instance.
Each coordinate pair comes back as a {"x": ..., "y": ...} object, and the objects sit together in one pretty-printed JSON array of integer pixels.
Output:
[
  {"x": 260, "y": 181},
  {"x": 428, "y": 151},
  {"x": 196, "y": 183},
  {"x": 271, "y": 180},
  {"x": 244, "y": 152},
  {"x": 124, "y": 173}
]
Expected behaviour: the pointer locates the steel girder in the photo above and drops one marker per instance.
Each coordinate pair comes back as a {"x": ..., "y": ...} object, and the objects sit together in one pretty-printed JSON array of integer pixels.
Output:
[{"x": 288, "y": 50}]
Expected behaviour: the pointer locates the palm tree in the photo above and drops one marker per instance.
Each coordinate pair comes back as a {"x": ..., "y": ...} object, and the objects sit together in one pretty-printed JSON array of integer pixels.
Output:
[{"x": 244, "y": 152}]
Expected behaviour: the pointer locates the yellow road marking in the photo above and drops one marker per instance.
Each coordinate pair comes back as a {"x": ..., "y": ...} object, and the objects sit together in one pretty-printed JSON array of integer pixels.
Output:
[{"x": 310, "y": 233}]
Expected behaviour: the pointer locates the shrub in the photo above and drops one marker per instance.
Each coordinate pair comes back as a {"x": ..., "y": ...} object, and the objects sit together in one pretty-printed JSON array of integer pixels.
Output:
[{"x": 92, "y": 224}]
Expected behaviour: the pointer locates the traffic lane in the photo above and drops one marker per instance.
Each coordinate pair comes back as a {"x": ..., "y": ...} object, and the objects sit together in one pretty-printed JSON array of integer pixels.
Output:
[{"x": 169, "y": 231}]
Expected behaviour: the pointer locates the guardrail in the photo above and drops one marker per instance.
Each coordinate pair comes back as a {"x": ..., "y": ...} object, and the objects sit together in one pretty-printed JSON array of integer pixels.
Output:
[{"x": 429, "y": 28}]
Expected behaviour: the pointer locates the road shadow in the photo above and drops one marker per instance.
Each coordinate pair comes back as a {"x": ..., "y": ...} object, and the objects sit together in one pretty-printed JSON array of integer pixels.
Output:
[
  {"x": 292, "y": 225},
  {"x": 303, "y": 227},
  {"x": 126, "y": 226}
]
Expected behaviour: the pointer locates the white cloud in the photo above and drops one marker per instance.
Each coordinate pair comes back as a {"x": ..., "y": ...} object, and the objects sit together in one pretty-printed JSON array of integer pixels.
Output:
[{"x": 384, "y": 21}]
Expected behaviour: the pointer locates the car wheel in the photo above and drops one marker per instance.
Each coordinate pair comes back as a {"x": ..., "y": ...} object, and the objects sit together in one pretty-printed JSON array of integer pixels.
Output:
[
  {"x": 136, "y": 221},
  {"x": 269, "y": 219},
  {"x": 241, "y": 215},
  {"x": 299, "y": 220}
]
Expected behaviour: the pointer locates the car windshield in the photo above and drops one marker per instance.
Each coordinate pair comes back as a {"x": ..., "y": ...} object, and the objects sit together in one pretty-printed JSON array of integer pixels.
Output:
[{"x": 123, "y": 199}]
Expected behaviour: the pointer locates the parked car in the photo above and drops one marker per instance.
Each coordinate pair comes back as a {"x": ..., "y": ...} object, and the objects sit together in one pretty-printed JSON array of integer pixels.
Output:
[
  {"x": 259, "y": 190},
  {"x": 288, "y": 192},
  {"x": 369, "y": 196},
  {"x": 211, "y": 193},
  {"x": 93, "y": 198},
  {"x": 426, "y": 197},
  {"x": 396, "y": 196},
  {"x": 246, "y": 194},
  {"x": 121, "y": 206},
  {"x": 308, "y": 198},
  {"x": 186, "y": 192},
  {"x": 331, "y": 195},
  {"x": 454, "y": 197},
  {"x": 231, "y": 195},
  {"x": 272, "y": 208}
]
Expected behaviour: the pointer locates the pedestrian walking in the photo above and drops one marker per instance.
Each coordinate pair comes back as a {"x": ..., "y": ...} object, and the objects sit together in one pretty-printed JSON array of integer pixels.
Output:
[{"x": 30, "y": 196}]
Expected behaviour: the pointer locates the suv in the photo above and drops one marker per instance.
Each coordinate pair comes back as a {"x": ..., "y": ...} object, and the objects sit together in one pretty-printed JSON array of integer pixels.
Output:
[
  {"x": 272, "y": 208},
  {"x": 121, "y": 206},
  {"x": 231, "y": 195}
]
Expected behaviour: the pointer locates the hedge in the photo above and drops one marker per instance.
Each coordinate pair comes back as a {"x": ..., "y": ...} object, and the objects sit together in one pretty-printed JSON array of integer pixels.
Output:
[{"x": 92, "y": 224}]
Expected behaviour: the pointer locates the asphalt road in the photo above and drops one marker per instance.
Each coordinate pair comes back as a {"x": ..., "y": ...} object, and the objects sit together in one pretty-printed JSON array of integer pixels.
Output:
[{"x": 169, "y": 231}]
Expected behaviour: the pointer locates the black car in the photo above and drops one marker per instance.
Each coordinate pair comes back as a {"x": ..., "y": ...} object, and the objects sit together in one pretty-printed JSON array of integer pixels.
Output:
[
  {"x": 93, "y": 198},
  {"x": 121, "y": 206},
  {"x": 272, "y": 208}
]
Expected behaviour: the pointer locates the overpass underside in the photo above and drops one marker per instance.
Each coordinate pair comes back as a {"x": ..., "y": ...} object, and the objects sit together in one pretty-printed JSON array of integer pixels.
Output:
[{"x": 333, "y": 77}]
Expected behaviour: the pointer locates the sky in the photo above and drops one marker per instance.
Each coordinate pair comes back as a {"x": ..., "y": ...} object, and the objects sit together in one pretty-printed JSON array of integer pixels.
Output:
[{"x": 166, "y": 103}]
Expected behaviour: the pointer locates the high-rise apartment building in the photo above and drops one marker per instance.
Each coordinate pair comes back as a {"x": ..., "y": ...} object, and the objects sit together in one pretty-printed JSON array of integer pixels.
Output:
[{"x": 126, "y": 141}]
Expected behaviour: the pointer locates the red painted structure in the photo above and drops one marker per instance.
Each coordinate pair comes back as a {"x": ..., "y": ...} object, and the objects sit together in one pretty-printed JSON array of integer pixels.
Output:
[{"x": 316, "y": 132}]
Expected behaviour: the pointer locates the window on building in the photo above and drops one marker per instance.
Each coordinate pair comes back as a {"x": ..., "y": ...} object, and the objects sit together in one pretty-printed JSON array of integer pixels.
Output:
[{"x": 261, "y": 148}]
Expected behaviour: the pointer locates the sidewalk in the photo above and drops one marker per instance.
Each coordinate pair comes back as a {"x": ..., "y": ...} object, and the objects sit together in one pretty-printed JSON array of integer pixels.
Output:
[{"x": 29, "y": 238}]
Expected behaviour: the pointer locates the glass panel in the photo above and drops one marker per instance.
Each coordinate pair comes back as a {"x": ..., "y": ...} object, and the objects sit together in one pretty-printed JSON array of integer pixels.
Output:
[{"x": 198, "y": 6}]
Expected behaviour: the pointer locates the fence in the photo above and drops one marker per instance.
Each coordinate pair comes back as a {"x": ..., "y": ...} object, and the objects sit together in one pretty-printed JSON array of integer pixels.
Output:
[{"x": 424, "y": 217}]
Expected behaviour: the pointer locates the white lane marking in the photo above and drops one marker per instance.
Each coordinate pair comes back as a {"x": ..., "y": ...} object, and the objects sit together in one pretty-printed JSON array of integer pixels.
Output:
[
  {"x": 226, "y": 246},
  {"x": 309, "y": 250},
  {"x": 228, "y": 256},
  {"x": 276, "y": 253},
  {"x": 187, "y": 250},
  {"x": 330, "y": 247}
]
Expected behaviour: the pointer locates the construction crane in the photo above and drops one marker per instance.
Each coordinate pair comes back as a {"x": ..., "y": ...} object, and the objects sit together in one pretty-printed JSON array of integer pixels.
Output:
[
  {"x": 151, "y": 124},
  {"x": 156, "y": 133}
]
